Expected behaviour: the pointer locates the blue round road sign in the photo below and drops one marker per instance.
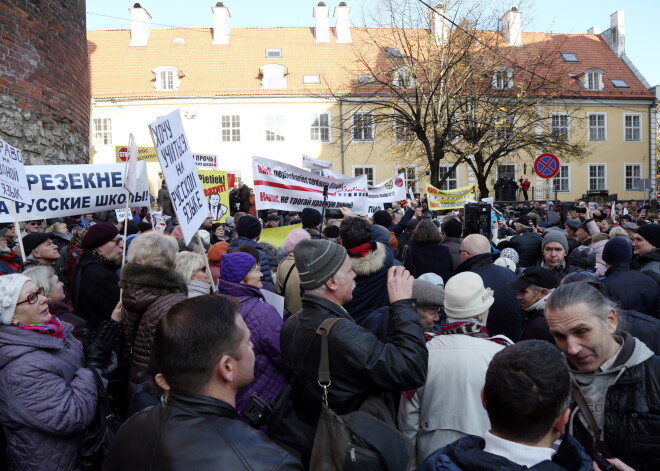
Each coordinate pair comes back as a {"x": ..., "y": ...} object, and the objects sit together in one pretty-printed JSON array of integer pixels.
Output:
[{"x": 546, "y": 165}]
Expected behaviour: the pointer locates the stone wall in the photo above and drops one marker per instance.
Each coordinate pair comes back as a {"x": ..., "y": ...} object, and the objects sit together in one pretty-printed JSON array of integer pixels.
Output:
[{"x": 44, "y": 80}]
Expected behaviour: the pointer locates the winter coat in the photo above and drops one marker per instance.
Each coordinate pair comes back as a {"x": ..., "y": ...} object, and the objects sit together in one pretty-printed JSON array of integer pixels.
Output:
[
  {"x": 165, "y": 201},
  {"x": 632, "y": 290},
  {"x": 10, "y": 262},
  {"x": 631, "y": 405},
  {"x": 193, "y": 432},
  {"x": 642, "y": 327},
  {"x": 288, "y": 284},
  {"x": 528, "y": 246},
  {"x": 561, "y": 271},
  {"x": 536, "y": 327},
  {"x": 420, "y": 258},
  {"x": 360, "y": 364},
  {"x": 370, "y": 291},
  {"x": 265, "y": 325},
  {"x": 148, "y": 293},
  {"x": 63, "y": 312},
  {"x": 598, "y": 248},
  {"x": 467, "y": 454},
  {"x": 47, "y": 398},
  {"x": 264, "y": 260},
  {"x": 73, "y": 255},
  {"x": 649, "y": 264},
  {"x": 244, "y": 199},
  {"x": 505, "y": 316},
  {"x": 454, "y": 246},
  {"x": 437, "y": 414},
  {"x": 94, "y": 288}
]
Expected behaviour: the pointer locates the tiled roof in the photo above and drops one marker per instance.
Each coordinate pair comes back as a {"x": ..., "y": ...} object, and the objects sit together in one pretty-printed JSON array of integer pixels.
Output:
[{"x": 120, "y": 71}]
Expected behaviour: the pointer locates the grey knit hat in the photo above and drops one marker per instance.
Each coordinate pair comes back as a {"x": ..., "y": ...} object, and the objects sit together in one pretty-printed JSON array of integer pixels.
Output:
[
  {"x": 427, "y": 294},
  {"x": 317, "y": 261},
  {"x": 555, "y": 236}
]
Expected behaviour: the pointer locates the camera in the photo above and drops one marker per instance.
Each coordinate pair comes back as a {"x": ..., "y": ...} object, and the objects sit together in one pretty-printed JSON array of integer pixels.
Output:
[
  {"x": 581, "y": 210},
  {"x": 257, "y": 411}
]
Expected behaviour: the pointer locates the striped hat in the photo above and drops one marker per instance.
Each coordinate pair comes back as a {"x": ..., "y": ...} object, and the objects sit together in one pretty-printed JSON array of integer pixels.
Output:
[{"x": 317, "y": 261}]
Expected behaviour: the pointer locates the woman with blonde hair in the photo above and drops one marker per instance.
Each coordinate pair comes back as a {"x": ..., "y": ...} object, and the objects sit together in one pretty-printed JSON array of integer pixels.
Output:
[{"x": 192, "y": 267}]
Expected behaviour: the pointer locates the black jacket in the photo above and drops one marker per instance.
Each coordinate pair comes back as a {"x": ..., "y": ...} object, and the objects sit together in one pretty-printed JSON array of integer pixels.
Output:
[
  {"x": 505, "y": 316},
  {"x": 192, "y": 432},
  {"x": 420, "y": 258},
  {"x": 528, "y": 246},
  {"x": 360, "y": 364},
  {"x": 641, "y": 326},
  {"x": 632, "y": 290},
  {"x": 536, "y": 327}
]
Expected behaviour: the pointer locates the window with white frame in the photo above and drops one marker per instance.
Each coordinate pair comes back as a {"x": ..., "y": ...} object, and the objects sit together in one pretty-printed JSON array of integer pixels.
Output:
[
  {"x": 403, "y": 130},
  {"x": 597, "y": 177},
  {"x": 363, "y": 126},
  {"x": 559, "y": 126},
  {"x": 562, "y": 180},
  {"x": 274, "y": 128},
  {"x": 273, "y": 77},
  {"x": 231, "y": 128},
  {"x": 597, "y": 126},
  {"x": 402, "y": 77},
  {"x": 451, "y": 183},
  {"x": 504, "y": 126},
  {"x": 167, "y": 78},
  {"x": 632, "y": 127},
  {"x": 633, "y": 173},
  {"x": 502, "y": 79},
  {"x": 593, "y": 80},
  {"x": 368, "y": 170},
  {"x": 102, "y": 131},
  {"x": 410, "y": 176},
  {"x": 320, "y": 127}
]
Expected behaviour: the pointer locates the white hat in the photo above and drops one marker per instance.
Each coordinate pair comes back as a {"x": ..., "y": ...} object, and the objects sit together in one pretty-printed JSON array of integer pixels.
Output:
[
  {"x": 432, "y": 278},
  {"x": 466, "y": 296},
  {"x": 10, "y": 290},
  {"x": 506, "y": 263}
]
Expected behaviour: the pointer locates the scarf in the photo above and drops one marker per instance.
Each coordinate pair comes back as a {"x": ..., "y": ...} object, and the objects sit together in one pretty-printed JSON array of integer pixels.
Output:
[
  {"x": 362, "y": 250},
  {"x": 54, "y": 328}
]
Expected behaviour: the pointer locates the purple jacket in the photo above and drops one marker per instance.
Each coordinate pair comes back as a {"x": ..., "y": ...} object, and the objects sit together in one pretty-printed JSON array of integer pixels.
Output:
[
  {"x": 47, "y": 398},
  {"x": 265, "y": 324}
]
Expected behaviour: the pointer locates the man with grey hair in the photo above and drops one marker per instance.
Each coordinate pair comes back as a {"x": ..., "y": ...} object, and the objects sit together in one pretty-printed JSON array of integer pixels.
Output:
[
  {"x": 534, "y": 286},
  {"x": 614, "y": 377},
  {"x": 360, "y": 363}
]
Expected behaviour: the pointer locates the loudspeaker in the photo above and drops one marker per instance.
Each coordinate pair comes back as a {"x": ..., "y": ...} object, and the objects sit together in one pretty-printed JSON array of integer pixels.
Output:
[{"x": 477, "y": 219}]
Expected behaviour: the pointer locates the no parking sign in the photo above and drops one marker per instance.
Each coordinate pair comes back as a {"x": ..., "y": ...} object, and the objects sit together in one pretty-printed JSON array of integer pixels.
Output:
[{"x": 546, "y": 165}]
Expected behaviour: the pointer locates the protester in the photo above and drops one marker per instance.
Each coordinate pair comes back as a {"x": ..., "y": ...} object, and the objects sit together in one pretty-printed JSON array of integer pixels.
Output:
[
  {"x": 214, "y": 254},
  {"x": 248, "y": 230},
  {"x": 192, "y": 268},
  {"x": 615, "y": 373},
  {"x": 217, "y": 233},
  {"x": 429, "y": 301},
  {"x": 452, "y": 229},
  {"x": 288, "y": 280},
  {"x": 10, "y": 261},
  {"x": 40, "y": 249},
  {"x": 47, "y": 393},
  {"x": 646, "y": 247},
  {"x": 424, "y": 254},
  {"x": 527, "y": 243},
  {"x": 73, "y": 252},
  {"x": 554, "y": 249},
  {"x": 534, "y": 286},
  {"x": 311, "y": 220},
  {"x": 526, "y": 395},
  {"x": 32, "y": 227}
]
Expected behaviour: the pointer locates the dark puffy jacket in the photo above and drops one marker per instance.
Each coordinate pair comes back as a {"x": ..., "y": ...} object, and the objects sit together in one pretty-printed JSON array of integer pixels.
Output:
[
  {"x": 536, "y": 327},
  {"x": 528, "y": 246},
  {"x": 94, "y": 288},
  {"x": 420, "y": 258},
  {"x": 360, "y": 364},
  {"x": 149, "y": 292},
  {"x": 264, "y": 260},
  {"x": 454, "y": 246},
  {"x": 191, "y": 432},
  {"x": 505, "y": 316},
  {"x": 643, "y": 327},
  {"x": 467, "y": 454},
  {"x": 633, "y": 290},
  {"x": 648, "y": 263},
  {"x": 265, "y": 325},
  {"x": 47, "y": 398}
]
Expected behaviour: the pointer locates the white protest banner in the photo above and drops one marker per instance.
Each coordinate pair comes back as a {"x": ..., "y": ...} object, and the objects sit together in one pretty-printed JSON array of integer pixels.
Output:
[
  {"x": 13, "y": 182},
  {"x": 315, "y": 164},
  {"x": 281, "y": 186},
  {"x": 65, "y": 190},
  {"x": 180, "y": 173},
  {"x": 389, "y": 191},
  {"x": 121, "y": 214},
  {"x": 130, "y": 182},
  {"x": 326, "y": 172},
  {"x": 490, "y": 200},
  {"x": 205, "y": 160}
]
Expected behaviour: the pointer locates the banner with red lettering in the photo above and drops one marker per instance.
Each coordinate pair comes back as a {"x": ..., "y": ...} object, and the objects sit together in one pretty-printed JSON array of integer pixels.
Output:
[{"x": 216, "y": 189}]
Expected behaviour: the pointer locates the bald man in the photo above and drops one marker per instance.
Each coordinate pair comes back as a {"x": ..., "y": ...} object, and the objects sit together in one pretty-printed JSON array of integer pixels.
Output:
[{"x": 505, "y": 316}]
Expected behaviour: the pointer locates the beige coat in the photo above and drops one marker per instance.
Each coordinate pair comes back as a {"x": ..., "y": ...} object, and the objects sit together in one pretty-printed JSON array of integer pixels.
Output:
[{"x": 291, "y": 291}]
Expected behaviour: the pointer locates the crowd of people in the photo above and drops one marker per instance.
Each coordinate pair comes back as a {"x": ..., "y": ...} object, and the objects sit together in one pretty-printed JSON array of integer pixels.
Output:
[{"x": 530, "y": 346}]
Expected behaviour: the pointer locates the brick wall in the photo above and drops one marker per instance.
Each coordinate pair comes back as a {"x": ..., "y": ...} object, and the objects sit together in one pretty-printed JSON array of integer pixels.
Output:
[{"x": 44, "y": 80}]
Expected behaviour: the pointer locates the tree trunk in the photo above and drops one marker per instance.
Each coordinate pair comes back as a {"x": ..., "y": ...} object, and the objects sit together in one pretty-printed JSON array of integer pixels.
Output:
[
  {"x": 435, "y": 174},
  {"x": 482, "y": 183}
]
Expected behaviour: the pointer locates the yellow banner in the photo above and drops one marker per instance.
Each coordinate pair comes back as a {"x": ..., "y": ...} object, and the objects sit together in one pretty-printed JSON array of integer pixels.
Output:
[
  {"x": 449, "y": 199},
  {"x": 216, "y": 190},
  {"x": 148, "y": 154},
  {"x": 276, "y": 235}
]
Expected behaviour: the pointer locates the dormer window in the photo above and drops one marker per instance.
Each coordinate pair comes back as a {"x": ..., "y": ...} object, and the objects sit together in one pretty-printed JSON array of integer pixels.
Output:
[
  {"x": 592, "y": 79},
  {"x": 402, "y": 77},
  {"x": 362, "y": 79},
  {"x": 393, "y": 52},
  {"x": 167, "y": 78},
  {"x": 273, "y": 77},
  {"x": 569, "y": 57},
  {"x": 502, "y": 79}
]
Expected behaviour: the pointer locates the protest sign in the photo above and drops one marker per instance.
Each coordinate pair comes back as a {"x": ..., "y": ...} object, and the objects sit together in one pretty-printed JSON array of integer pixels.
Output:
[
  {"x": 275, "y": 235},
  {"x": 449, "y": 199},
  {"x": 180, "y": 173},
  {"x": 65, "y": 190},
  {"x": 121, "y": 214},
  {"x": 148, "y": 154},
  {"x": 285, "y": 187},
  {"x": 13, "y": 182},
  {"x": 316, "y": 164},
  {"x": 391, "y": 190},
  {"x": 205, "y": 160},
  {"x": 130, "y": 182},
  {"x": 216, "y": 191}
]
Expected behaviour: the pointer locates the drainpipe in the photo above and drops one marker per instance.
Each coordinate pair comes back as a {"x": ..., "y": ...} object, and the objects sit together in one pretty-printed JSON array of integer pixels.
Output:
[
  {"x": 341, "y": 133},
  {"x": 653, "y": 151}
]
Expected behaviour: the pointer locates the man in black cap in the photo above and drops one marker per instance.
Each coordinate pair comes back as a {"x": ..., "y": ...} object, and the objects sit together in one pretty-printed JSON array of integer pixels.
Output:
[
  {"x": 41, "y": 250},
  {"x": 534, "y": 286},
  {"x": 646, "y": 247},
  {"x": 571, "y": 227},
  {"x": 248, "y": 231},
  {"x": 311, "y": 219},
  {"x": 527, "y": 243}
]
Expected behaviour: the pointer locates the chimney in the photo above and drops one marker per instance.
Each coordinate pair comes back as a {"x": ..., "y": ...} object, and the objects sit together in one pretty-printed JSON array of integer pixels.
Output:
[
  {"x": 439, "y": 25},
  {"x": 616, "y": 38},
  {"x": 511, "y": 28},
  {"x": 321, "y": 26},
  {"x": 594, "y": 30},
  {"x": 140, "y": 29},
  {"x": 220, "y": 23},
  {"x": 343, "y": 23}
]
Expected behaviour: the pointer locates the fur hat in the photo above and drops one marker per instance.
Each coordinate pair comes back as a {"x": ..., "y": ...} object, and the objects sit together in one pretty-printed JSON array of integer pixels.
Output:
[
  {"x": 294, "y": 237},
  {"x": 248, "y": 227},
  {"x": 235, "y": 266},
  {"x": 317, "y": 261},
  {"x": 10, "y": 290},
  {"x": 555, "y": 236},
  {"x": 650, "y": 233},
  {"x": 617, "y": 250},
  {"x": 310, "y": 217},
  {"x": 466, "y": 296},
  {"x": 427, "y": 294},
  {"x": 99, "y": 234}
]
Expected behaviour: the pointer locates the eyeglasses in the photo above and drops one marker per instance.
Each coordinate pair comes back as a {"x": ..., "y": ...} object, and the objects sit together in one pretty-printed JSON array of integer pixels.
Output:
[
  {"x": 117, "y": 240},
  {"x": 203, "y": 269},
  {"x": 33, "y": 297},
  {"x": 34, "y": 223}
]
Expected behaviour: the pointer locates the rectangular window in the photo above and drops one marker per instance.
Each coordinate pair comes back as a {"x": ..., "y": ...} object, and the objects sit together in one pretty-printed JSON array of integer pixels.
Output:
[
  {"x": 410, "y": 173},
  {"x": 504, "y": 127},
  {"x": 632, "y": 127},
  {"x": 559, "y": 126},
  {"x": 593, "y": 81},
  {"x": 506, "y": 170},
  {"x": 167, "y": 80},
  {"x": 368, "y": 170},
  {"x": 569, "y": 57},
  {"x": 451, "y": 183},
  {"x": 273, "y": 52},
  {"x": 633, "y": 174},
  {"x": 501, "y": 80},
  {"x": 562, "y": 180},
  {"x": 311, "y": 79},
  {"x": 320, "y": 127},
  {"x": 597, "y": 126},
  {"x": 363, "y": 126},
  {"x": 274, "y": 128},
  {"x": 403, "y": 130},
  {"x": 102, "y": 131},
  {"x": 231, "y": 128},
  {"x": 597, "y": 177}
]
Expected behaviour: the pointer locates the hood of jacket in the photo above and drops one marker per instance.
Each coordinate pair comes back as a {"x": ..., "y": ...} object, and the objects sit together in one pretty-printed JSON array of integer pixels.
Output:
[
  {"x": 238, "y": 290},
  {"x": 372, "y": 262},
  {"x": 481, "y": 259},
  {"x": 650, "y": 256},
  {"x": 15, "y": 342},
  {"x": 148, "y": 283}
]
